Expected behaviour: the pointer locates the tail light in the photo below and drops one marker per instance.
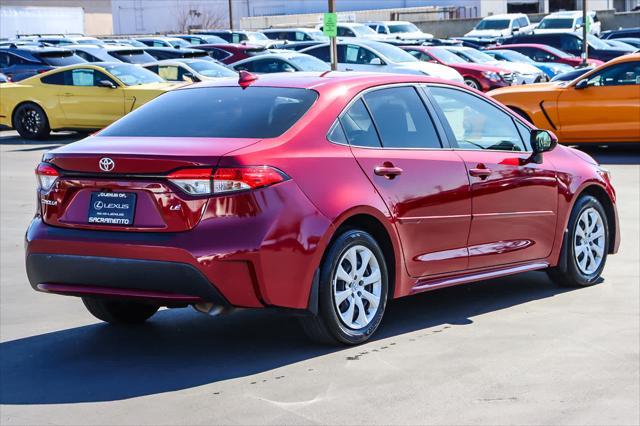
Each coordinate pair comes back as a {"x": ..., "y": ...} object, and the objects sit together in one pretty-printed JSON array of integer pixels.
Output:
[
  {"x": 47, "y": 175},
  {"x": 204, "y": 181}
]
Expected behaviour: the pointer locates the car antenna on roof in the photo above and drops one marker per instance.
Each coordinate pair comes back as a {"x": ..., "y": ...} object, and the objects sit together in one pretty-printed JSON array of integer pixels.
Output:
[{"x": 246, "y": 78}]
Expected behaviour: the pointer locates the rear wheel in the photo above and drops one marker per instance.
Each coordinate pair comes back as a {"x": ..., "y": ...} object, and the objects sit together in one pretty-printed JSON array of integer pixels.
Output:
[
  {"x": 352, "y": 292},
  {"x": 119, "y": 311},
  {"x": 31, "y": 122},
  {"x": 585, "y": 246},
  {"x": 472, "y": 83}
]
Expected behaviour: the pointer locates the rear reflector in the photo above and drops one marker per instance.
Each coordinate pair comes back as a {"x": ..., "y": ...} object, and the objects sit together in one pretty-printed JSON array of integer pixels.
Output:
[
  {"x": 201, "y": 181},
  {"x": 46, "y": 175}
]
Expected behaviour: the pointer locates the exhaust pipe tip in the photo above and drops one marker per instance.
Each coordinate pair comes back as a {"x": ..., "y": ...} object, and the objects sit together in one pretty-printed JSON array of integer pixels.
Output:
[{"x": 211, "y": 309}]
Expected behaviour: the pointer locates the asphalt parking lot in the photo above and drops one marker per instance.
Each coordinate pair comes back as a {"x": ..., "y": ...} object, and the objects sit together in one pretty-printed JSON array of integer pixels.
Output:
[{"x": 516, "y": 350}]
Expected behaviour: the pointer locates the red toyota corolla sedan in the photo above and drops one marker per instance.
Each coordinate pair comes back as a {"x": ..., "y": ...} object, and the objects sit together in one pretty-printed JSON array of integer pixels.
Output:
[
  {"x": 325, "y": 194},
  {"x": 481, "y": 77}
]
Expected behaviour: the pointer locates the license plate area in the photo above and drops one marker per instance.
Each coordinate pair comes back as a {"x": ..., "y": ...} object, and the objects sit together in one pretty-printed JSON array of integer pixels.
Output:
[{"x": 112, "y": 208}]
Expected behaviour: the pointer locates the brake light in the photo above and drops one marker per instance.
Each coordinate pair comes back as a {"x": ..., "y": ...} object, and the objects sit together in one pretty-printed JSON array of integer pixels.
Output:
[
  {"x": 46, "y": 175},
  {"x": 204, "y": 181}
]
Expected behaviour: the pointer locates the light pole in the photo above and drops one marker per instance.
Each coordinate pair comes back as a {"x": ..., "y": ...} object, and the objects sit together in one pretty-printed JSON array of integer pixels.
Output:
[
  {"x": 334, "y": 43},
  {"x": 585, "y": 27},
  {"x": 230, "y": 15}
]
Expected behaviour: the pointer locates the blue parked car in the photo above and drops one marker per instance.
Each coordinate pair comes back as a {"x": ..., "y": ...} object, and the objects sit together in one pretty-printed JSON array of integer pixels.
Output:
[
  {"x": 551, "y": 69},
  {"x": 22, "y": 61}
]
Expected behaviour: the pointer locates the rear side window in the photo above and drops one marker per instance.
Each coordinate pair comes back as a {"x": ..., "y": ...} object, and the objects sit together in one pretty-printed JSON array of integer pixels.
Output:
[
  {"x": 358, "y": 126},
  {"x": 402, "y": 119},
  {"x": 221, "y": 112}
]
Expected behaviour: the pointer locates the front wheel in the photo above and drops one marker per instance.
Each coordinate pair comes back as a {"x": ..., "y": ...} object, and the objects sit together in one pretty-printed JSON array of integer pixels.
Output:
[
  {"x": 30, "y": 121},
  {"x": 119, "y": 311},
  {"x": 472, "y": 83},
  {"x": 352, "y": 291},
  {"x": 585, "y": 246}
]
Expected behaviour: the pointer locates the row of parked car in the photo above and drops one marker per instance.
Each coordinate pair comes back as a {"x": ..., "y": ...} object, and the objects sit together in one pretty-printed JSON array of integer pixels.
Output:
[{"x": 154, "y": 64}]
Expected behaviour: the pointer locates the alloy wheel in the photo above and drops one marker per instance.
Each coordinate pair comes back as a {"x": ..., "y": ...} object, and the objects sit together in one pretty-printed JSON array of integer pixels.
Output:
[
  {"x": 471, "y": 84},
  {"x": 588, "y": 242},
  {"x": 357, "y": 287},
  {"x": 31, "y": 120}
]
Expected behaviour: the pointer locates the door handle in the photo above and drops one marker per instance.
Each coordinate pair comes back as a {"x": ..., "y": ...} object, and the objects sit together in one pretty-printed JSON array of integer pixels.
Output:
[
  {"x": 480, "y": 171},
  {"x": 348, "y": 69},
  {"x": 67, "y": 94},
  {"x": 387, "y": 170}
]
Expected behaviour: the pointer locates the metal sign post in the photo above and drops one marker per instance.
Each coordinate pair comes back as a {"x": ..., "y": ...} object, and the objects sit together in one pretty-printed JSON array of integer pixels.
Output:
[
  {"x": 585, "y": 29},
  {"x": 330, "y": 29}
]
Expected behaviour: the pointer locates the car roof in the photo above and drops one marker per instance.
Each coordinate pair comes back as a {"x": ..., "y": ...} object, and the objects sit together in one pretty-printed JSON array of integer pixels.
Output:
[
  {"x": 37, "y": 49},
  {"x": 273, "y": 30},
  {"x": 281, "y": 54},
  {"x": 504, "y": 16}
]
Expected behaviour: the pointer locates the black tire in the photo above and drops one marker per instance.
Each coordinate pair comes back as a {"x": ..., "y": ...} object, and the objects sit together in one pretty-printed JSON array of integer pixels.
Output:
[
  {"x": 473, "y": 83},
  {"x": 119, "y": 311},
  {"x": 327, "y": 326},
  {"x": 31, "y": 122},
  {"x": 568, "y": 273}
]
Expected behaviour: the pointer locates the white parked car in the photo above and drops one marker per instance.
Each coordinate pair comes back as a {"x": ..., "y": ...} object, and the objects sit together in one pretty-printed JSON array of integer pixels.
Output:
[
  {"x": 295, "y": 34},
  {"x": 522, "y": 73},
  {"x": 400, "y": 30},
  {"x": 189, "y": 70},
  {"x": 568, "y": 22},
  {"x": 496, "y": 26},
  {"x": 354, "y": 29},
  {"x": 374, "y": 56}
]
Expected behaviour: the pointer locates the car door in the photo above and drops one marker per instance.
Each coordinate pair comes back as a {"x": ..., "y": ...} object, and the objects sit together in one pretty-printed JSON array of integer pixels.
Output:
[
  {"x": 614, "y": 91},
  {"x": 514, "y": 202},
  {"x": 398, "y": 145},
  {"x": 85, "y": 103}
]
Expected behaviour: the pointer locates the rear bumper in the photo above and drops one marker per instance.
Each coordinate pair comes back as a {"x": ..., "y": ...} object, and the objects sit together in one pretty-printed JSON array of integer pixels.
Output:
[
  {"x": 117, "y": 277},
  {"x": 255, "y": 249}
]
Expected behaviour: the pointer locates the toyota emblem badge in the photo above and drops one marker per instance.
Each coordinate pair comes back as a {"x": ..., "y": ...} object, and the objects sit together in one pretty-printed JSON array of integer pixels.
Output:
[{"x": 106, "y": 164}]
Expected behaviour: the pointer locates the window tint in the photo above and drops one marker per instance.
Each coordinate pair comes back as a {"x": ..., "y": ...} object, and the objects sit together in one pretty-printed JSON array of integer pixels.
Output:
[
  {"x": 569, "y": 43},
  {"x": 60, "y": 59},
  {"x": 217, "y": 112},
  {"x": 358, "y": 126},
  {"x": 57, "y": 78},
  {"x": 625, "y": 74},
  {"x": 81, "y": 77},
  {"x": 475, "y": 123},
  {"x": 345, "y": 32},
  {"x": 321, "y": 53},
  {"x": 336, "y": 134},
  {"x": 86, "y": 56},
  {"x": 402, "y": 119},
  {"x": 266, "y": 66},
  {"x": 4, "y": 60}
]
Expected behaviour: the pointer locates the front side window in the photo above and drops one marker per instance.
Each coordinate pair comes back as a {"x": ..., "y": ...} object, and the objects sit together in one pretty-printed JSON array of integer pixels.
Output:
[
  {"x": 625, "y": 74},
  {"x": 358, "y": 126},
  {"x": 352, "y": 54},
  {"x": 171, "y": 72},
  {"x": 81, "y": 77},
  {"x": 402, "y": 119},
  {"x": 345, "y": 32},
  {"x": 475, "y": 123},
  {"x": 217, "y": 112}
]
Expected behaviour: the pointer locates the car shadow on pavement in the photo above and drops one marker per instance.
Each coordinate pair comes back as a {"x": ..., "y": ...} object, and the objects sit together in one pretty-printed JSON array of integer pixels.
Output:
[
  {"x": 180, "y": 349},
  {"x": 55, "y": 139}
]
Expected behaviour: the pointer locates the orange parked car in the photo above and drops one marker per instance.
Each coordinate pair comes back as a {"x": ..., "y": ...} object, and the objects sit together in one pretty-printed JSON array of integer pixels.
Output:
[{"x": 602, "y": 105}]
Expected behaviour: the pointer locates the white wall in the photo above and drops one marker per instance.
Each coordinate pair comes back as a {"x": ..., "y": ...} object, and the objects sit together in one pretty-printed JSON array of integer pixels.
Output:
[{"x": 16, "y": 20}]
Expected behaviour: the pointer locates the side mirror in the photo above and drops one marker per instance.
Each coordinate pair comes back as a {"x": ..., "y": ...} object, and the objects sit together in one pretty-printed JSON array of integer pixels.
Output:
[
  {"x": 187, "y": 76},
  {"x": 375, "y": 61},
  {"x": 106, "y": 83},
  {"x": 515, "y": 31},
  {"x": 582, "y": 84},
  {"x": 541, "y": 141}
]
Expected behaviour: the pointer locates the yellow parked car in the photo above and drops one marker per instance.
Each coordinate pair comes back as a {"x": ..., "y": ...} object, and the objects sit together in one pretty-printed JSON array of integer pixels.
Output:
[{"x": 77, "y": 97}]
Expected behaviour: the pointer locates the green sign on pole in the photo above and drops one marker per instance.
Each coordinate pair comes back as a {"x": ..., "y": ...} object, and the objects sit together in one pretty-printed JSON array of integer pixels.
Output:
[{"x": 330, "y": 25}]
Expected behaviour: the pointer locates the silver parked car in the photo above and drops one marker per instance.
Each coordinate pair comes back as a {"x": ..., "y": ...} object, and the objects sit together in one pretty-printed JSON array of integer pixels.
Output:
[
  {"x": 286, "y": 61},
  {"x": 189, "y": 69}
]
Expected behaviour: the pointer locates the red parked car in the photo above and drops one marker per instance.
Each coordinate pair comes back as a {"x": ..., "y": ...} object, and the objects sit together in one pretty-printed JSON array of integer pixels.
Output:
[
  {"x": 544, "y": 53},
  {"x": 229, "y": 53},
  {"x": 479, "y": 76},
  {"x": 325, "y": 194}
]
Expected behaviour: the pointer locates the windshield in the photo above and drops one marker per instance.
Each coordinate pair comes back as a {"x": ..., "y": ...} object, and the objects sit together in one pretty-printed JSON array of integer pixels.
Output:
[
  {"x": 211, "y": 69},
  {"x": 403, "y": 28},
  {"x": 309, "y": 63},
  {"x": 217, "y": 112},
  {"x": 596, "y": 42},
  {"x": 394, "y": 54},
  {"x": 257, "y": 36},
  {"x": 513, "y": 56},
  {"x": 362, "y": 30},
  {"x": 493, "y": 24},
  {"x": 556, "y": 23},
  {"x": 443, "y": 55},
  {"x": 475, "y": 56},
  {"x": 178, "y": 42},
  {"x": 132, "y": 56},
  {"x": 133, "y": 75}
]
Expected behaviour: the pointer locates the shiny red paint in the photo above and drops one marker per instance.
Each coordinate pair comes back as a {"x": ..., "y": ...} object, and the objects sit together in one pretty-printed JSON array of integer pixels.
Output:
[
  {"x": 450, "y": 216},
  {"x": 467, "y": 70},
  {"x": 523, "y": 48}
]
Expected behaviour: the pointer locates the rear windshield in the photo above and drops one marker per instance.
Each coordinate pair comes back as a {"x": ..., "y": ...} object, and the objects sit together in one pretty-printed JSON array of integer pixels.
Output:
[
  {"x": 132, "y": 56},
  {"x": 58, "y": 59},
  {"x": 217, "y": 112}
]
